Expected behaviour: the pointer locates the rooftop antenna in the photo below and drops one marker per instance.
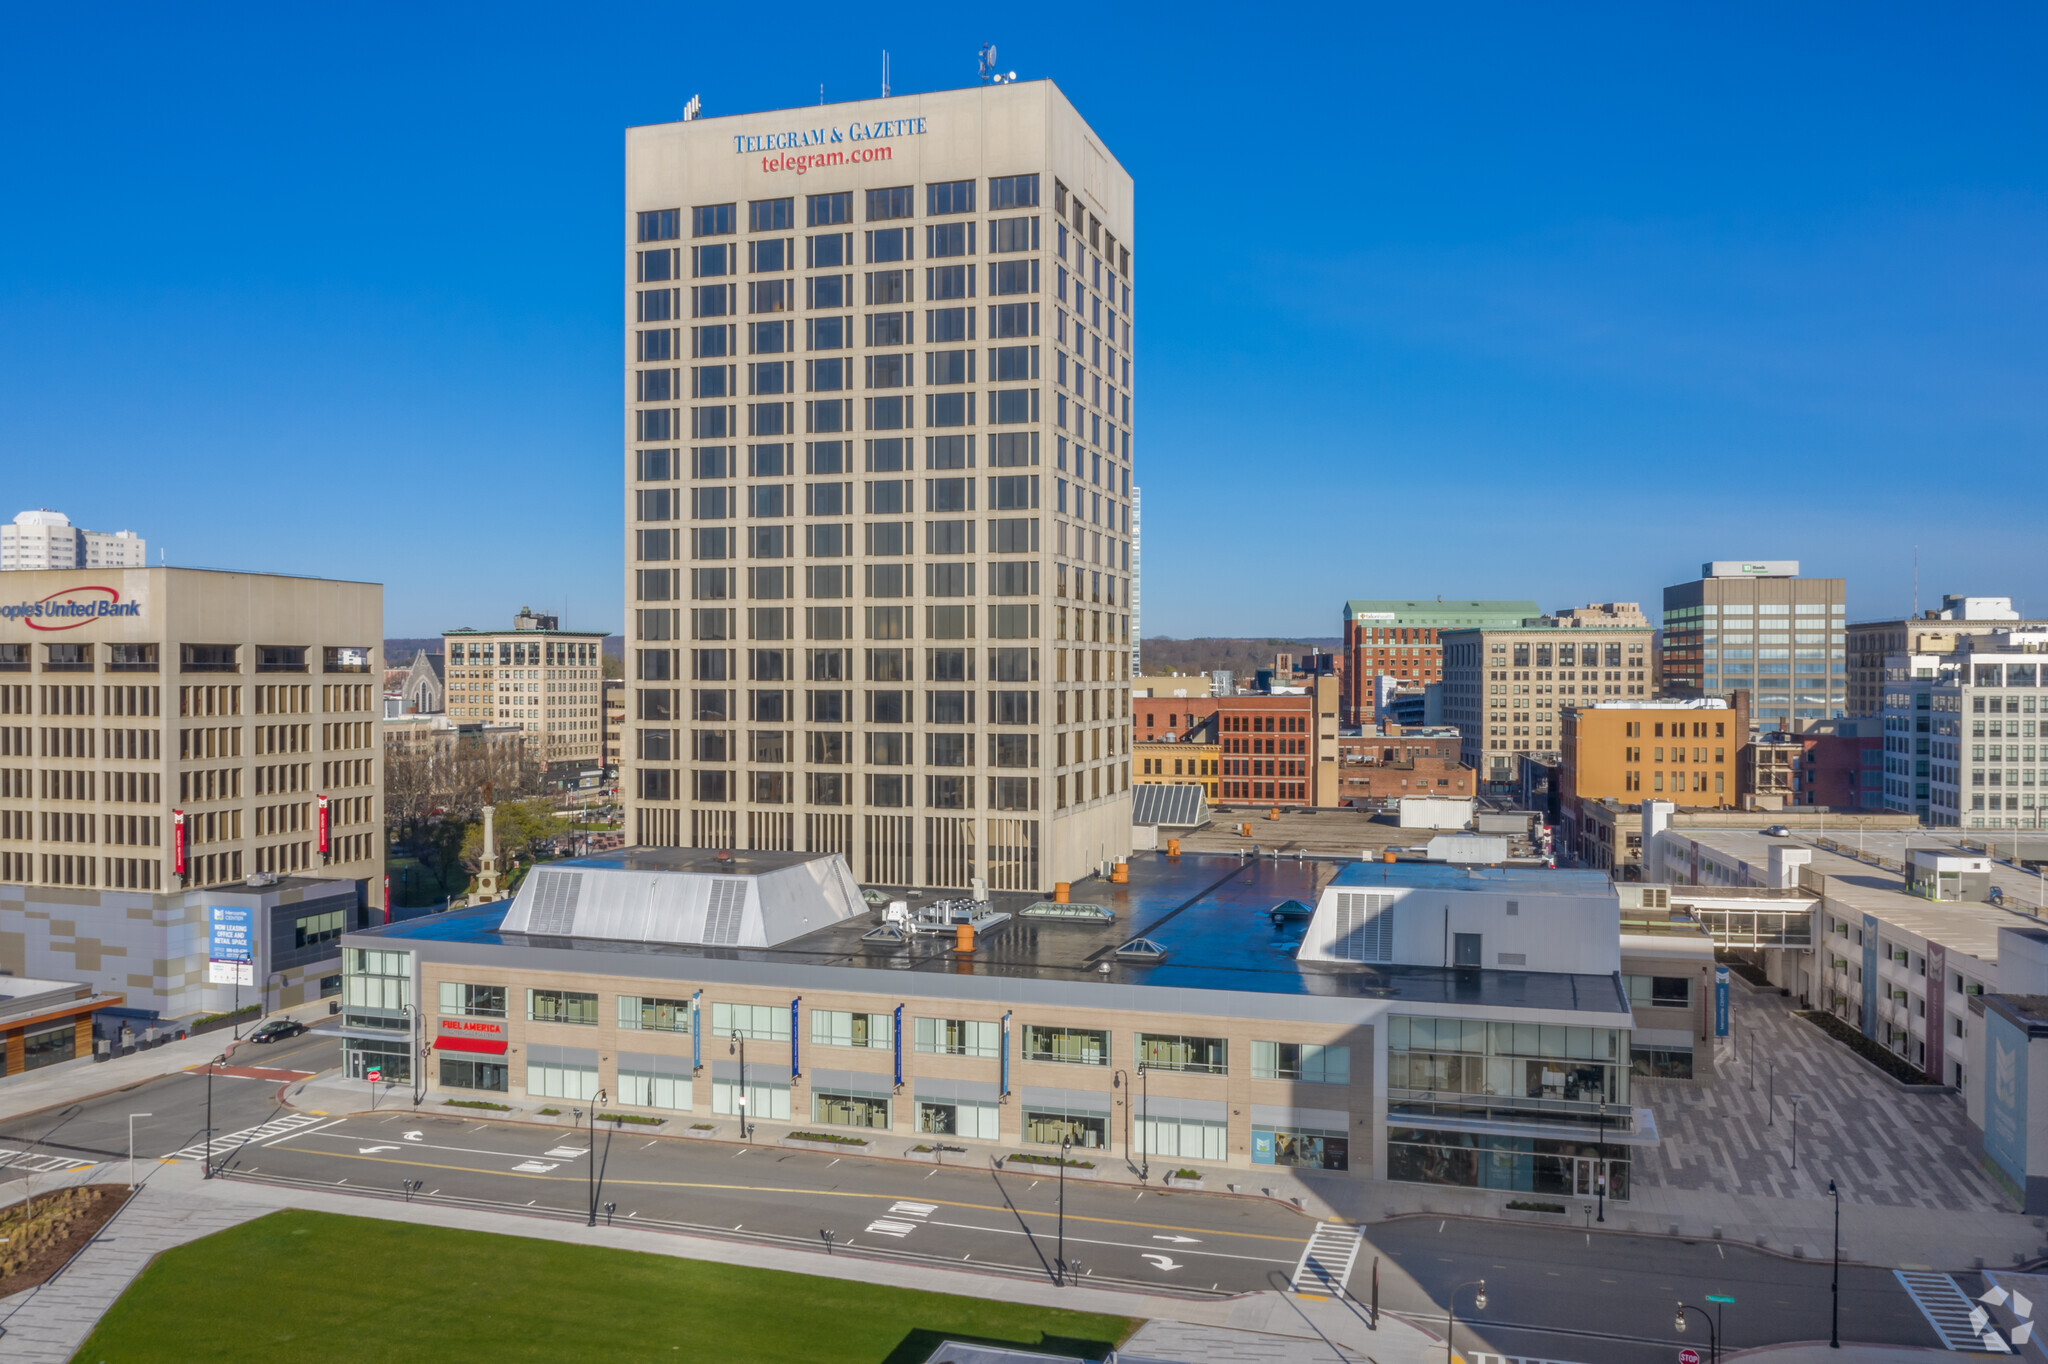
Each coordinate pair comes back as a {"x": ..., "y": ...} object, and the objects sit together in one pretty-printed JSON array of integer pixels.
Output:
[
  {"x": 885, "y": 73},
  {"x": 990, "y": 74},
  {"x": 694, "y": 109}
]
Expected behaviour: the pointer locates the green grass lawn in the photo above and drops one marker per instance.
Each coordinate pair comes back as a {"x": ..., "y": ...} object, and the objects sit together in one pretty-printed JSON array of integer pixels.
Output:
[{"x": 316, "y": 1287}]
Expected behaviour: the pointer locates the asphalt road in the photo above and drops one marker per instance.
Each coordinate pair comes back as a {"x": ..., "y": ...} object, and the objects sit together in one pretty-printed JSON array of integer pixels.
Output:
[
  {"x": 1553, "y": 1294},
  {"x": 98, "y": 1130}
]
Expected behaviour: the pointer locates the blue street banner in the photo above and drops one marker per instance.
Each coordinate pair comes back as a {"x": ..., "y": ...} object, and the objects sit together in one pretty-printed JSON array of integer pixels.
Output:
[
  {"x": 1720, "y": 1001},
  {"x": 899, "y": 1046},
  {"x": 795, "y": 1037},
  {"x": 696, "y": 1032}
]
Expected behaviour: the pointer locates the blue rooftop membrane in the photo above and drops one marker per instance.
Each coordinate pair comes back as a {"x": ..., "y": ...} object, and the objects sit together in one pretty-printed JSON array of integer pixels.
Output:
[
  {"x": 1210, "y": 912},
  {"x": 1444, "y": 876}
]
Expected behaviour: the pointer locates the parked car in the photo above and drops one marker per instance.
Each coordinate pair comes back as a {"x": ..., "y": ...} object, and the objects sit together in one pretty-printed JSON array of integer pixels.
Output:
[
  {"x": 1778, "y": 831},
  {"x": 277, "y": 1030}
]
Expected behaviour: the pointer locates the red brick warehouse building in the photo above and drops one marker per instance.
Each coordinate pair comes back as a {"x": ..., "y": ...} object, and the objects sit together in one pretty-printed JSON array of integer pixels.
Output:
[
  {"x": 1279, "y": 750},
  {"x": 1403, "y": 640}
]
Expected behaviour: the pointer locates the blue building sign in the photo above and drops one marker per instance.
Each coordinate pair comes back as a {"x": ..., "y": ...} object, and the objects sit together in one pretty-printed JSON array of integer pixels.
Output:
[
  {"x": 1720, "y": 1001},
  {"x": 230, "y": 945}
]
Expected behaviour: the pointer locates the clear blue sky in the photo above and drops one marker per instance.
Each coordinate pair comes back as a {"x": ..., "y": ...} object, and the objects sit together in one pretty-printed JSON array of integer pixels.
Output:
[{"x": 1549, "y": 302}]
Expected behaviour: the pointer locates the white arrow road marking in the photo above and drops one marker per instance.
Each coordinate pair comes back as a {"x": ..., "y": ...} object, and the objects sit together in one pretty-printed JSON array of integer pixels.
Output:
[
  {"x": 1180, "y": 1240},
  {"x": 371, "y": 1150},
  {"x": 533, "y": 1167},
  {"x": 415, "y": 1136},
  {"x": 1162, "y": 1261}
]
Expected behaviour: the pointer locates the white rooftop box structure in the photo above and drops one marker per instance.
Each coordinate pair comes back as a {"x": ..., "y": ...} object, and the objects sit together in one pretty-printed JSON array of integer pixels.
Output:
[
  {"x": 1435, "y": 812},
  {"x": 683, "y": 895}
]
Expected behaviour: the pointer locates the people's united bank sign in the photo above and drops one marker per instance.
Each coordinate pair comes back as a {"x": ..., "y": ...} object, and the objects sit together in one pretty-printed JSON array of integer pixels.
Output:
[{"x": 70, "y": 608}]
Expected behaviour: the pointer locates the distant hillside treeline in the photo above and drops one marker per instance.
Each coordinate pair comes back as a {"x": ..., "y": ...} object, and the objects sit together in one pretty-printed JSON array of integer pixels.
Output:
[{"x": 1159, "y": 654}]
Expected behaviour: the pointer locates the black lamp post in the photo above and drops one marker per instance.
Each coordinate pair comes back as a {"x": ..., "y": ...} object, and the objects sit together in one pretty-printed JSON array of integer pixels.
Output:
[
  {"x": 1144, "y": 1118},
  {"x": 1451, "y": 1311},
  {"x": 1835, "y": 1282},
  {"x": 1121, "y": 1079},
  {"x": 1600, "y": 1175},
  {"x": 739, "y": 1044},
  {"x": 1060, "y": 1256},
  {"x": 206, "y": 1147},
  {"x": 1713, "y": 1332},
  {"x": 413, "y": 1019}
]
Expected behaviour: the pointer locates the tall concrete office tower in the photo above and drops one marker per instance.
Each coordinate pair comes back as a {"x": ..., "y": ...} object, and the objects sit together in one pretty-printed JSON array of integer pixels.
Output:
[{"x": 878, "y": 365}]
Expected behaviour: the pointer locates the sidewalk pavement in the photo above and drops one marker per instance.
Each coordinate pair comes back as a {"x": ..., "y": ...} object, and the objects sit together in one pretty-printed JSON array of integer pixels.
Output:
[
  {"x": 174, "y": 1205},
  {"x": 74, "y": 1081}
]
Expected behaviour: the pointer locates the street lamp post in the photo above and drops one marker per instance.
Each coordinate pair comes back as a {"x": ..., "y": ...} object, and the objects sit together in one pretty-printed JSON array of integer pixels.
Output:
[
  {"x": 413, "y": 1019},
  {"x": 1835, "y": 1281},
  {"x": 1451, "y": 1313},
  {"x": 1144, "y": 1130},
  {"x": 131, "y": 1147},
  {"x": 206, "y": 1146},
  {"x": 1122, "y": 1080},
  {"x": 1600, "y": 1175},
  {"x": 1060, "y": 1255},
  {"x": 1713, "y": 1332},
  {"x": 1771, "y": 1095},
  {"x": 739, "y": 1044},
  {"x": 1795, "y": 1130}
]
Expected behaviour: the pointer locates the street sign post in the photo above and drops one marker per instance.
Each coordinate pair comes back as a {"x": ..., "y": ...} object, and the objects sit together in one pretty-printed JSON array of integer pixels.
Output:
[
  {"x": 1688, "y": 1356},
  {"x": 373, "y": 1075}
]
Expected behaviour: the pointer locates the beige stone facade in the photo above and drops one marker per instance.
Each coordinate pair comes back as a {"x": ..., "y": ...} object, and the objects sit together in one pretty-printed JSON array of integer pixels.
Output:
[
  {"x": 543, "y": 679},
  {"x": 878, "y": 377},
  {"x": 165, "y": 729},
  {"x": 768, "y": 1058}
]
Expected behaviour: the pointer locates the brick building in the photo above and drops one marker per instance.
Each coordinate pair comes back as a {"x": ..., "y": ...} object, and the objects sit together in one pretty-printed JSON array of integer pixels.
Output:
[
  {"x": 1279, "y": 750},
  {"x": 1403, "y": 640},
  {"x": 1374, "y": 767}
]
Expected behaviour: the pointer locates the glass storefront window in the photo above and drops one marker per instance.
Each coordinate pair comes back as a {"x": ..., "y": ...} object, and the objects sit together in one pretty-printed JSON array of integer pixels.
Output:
[
  {"x": 1521, "y": 1164},
  {"x": 1071, "y": 1046},
  {"x": 50, "y": 1046},
  {"x": 1085, "y": 1129},
  {"x": 1304, "y": 1148},
  {"x": 1199, "y": 1055},
  {"x": 654, "y": 1015},
  {"x": 765, "y": 1103},
  {"x": 957, "y": 1118},
  {"x": 849, "y": 1110},
  {"x": 391, "y": 1060},
  {"x": 489, "y": 1075}
]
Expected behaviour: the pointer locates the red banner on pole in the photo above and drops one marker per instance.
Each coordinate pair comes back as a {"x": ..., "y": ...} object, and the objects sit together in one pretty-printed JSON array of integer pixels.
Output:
[
  {"x": 323, "y": 825},
  {"x": 177, "y": 842}
]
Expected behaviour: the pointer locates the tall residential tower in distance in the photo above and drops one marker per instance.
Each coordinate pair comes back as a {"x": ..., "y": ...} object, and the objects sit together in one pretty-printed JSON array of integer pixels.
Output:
[{"x": 878, "y": 486}]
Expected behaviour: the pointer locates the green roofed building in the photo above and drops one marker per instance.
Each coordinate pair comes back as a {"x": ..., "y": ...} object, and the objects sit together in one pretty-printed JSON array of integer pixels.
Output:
[{"x": 1402, "y": 640}]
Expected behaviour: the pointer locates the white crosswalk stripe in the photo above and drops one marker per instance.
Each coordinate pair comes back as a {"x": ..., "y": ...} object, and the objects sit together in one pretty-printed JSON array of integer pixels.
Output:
[
  {"x": 1327, "y": 1259},
  {"x": 248, "y": 1136},
  {"x": 1945, "y": 1306},
  {"x": 17, "y": 1162}
]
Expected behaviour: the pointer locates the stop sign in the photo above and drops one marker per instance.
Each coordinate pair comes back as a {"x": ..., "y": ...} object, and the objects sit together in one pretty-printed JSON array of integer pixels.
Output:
[{"x": 1688, "y": 1356}]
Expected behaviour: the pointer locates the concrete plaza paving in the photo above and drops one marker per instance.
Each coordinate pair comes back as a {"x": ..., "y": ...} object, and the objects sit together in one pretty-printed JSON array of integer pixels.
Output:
[{"x": 1881, "y": 1143}]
